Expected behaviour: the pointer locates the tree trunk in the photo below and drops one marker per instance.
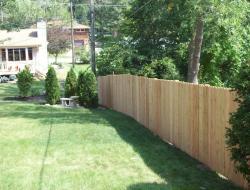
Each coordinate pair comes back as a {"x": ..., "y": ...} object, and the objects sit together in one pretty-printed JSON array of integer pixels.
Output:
[
  {"x": 56, "y": 56},
  {"x": 195, "y": 51}
]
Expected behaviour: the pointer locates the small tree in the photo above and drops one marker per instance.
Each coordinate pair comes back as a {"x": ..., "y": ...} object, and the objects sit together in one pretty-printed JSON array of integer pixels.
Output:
[
  {"x": 52, "y": 87},
  {"x": 238, "y": 137},
  {"x": 70, "y": 83},
  {"x": 24, "y": 82},
  {"x": 58, "y": 40},
  {"x": 86, "y": 89}
]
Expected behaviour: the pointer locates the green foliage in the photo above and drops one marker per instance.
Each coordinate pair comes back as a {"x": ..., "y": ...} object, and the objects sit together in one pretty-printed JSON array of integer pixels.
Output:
[
  {"x": 52, "y": 87},
  {"x": 238, "y": 137},
  {"x": 119, "y": 60},
  {"x": 70, "y": 83},
  {"x": 164, "y": 28},
  {"x": 58, "y": 40},
  {"x": 83, "y": 55},
  {"x": 24, "y": 82},
  {"x": 161, "y": 69},
  {"x": 22, "y": 14},
  {"x": 87, "y": 89},
  {"x": 109, "y": 61}
]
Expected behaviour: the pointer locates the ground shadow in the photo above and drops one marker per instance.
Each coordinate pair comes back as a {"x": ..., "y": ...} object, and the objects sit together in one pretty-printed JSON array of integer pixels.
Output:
[{"x": 178, "y": 170}]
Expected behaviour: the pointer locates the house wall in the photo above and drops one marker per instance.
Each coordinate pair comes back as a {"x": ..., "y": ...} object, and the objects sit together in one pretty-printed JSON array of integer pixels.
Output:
[
  {"x": 82, "y": 36},
  {"x": 42, "y": 53}
]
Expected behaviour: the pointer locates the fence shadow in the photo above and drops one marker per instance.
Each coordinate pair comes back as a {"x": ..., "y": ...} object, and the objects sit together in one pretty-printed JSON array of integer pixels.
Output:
[{"x": 176, "y": 168}]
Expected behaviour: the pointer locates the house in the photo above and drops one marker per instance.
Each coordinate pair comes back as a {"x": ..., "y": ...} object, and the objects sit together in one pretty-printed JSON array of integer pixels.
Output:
[
  {"x": 24, "y": 48},
  {"x": 81, "y": 35},
  {"x": 81, "y": 32}
]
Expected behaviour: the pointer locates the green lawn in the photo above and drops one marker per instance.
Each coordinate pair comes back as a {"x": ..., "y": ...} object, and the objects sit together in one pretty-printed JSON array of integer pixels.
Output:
[{"x": 44, "y": 148}]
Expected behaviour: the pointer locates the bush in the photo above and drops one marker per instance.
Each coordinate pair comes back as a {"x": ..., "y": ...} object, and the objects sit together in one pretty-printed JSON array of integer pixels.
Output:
[
  {"x": 161, "y": 69},
  {"x": 238, "y": 137},
  {"x": 24, "y": 82},
  {"x": 70, "y": 83},
  {"x": 52, "y": 87},
  {"x": 86, "y": 89},
  {"x": 109, "y": 61},
  {"x": 82, "y": 55}
]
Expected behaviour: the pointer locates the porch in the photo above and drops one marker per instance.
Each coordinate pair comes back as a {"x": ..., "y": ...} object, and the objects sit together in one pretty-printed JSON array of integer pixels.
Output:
[
  {"x": 13, "y": 60},
  {"x": 12, "y": 68}
]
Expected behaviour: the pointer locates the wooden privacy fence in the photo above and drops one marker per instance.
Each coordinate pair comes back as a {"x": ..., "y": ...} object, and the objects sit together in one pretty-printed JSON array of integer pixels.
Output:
[{"x": 192, "y": 117}]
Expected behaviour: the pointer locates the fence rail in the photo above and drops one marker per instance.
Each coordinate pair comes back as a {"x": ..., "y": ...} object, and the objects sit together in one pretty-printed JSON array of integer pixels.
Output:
[{"x": 192, "y": 117}]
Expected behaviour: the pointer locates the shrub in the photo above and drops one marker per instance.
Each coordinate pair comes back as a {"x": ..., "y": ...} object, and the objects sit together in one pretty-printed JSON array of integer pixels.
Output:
[
  {"x": 109, "y": 61},
  {"x": 82, "y": 55},
  {"x": 238, "y": 137},
  {"x": 52, "y": 87},
  {"x": 70, "y": 83},
  {"x": 86, "y": 89},
  {"x": 24, "y": 82},
  {"x": 119, "y": 59},
  {"x": 161, "y": 69}
]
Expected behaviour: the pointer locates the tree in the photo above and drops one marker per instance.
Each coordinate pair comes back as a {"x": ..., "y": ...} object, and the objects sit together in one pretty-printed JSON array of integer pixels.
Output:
[
  {"x": 119, "y": 59},
  {"x": 195, "y": 51},
  {"x": 81, "y": 11},
  {"x": 22, "y": 14},
  {"x": 108, "y": 19},
  {"x": 24, "y": 82},
  {"x": 58, "y": 40},
  {"x": 161, "y": 28},
  {"x": 238, "y": 137},
  {"x": 87, "y": 89},
  {"x": 70, "y": 84},
  {"x": 52, "y": 87}
]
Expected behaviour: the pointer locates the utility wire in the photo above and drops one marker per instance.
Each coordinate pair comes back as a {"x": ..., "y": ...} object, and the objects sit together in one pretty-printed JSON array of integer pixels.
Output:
[
  {"x": 140, "y": 8},
  {"x": 86, "y": 4}
]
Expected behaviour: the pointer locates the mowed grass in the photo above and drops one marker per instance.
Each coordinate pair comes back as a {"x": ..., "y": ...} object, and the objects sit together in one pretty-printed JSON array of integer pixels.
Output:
[
  {"x": 49, "y": 148},
  {"x": 9, "y": 90}
]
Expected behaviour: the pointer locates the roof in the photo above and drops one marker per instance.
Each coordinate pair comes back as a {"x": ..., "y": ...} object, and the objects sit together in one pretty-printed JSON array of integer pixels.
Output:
[
  {"x": 22, "y": 38},
  {"x": 79, "y": 26},
  {"x": 67, "y": 25}
]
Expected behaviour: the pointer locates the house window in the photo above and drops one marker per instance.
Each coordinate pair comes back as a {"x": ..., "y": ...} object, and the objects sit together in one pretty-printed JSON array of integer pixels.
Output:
[
  {"x": 79, "y": 43},
  {"x": 3, "y": 55},
  {"x": 11, "y": 54},
  {"x": 30, "y": 53},
  {"x": 22, "y": 54},
  {"x": 17, "y": 54}
]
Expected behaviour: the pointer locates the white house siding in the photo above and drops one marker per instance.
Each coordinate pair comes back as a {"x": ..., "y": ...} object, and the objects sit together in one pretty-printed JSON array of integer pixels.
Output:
[
  {"x": 42, "y": 53},
  {"x": 27, "y": 38}
]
